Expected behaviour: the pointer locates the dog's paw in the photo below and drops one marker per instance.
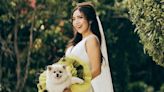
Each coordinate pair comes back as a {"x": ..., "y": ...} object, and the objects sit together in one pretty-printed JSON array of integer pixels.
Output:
[
  {"x": 81, "y": 81},
  {"x": 77, "y": 80}
]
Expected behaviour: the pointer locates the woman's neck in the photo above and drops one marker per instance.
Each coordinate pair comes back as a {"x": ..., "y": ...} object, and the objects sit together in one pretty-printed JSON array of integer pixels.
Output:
[{"x": 86, "y": 34}]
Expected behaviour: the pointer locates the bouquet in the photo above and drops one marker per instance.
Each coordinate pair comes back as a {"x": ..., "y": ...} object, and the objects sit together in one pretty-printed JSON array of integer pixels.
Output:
[{"x": 78, "y": 68}]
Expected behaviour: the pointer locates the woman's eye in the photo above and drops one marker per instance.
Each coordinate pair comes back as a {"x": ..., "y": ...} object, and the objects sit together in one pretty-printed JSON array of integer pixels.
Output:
[{"x": 80, "y": 17}]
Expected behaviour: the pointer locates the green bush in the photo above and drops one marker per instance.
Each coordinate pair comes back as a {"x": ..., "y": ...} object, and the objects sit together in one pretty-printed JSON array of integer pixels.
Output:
[
  {"x": 140, "y": 87},
  {"x": 162, "y": 88},
  {"x": 148, "y": 17}
]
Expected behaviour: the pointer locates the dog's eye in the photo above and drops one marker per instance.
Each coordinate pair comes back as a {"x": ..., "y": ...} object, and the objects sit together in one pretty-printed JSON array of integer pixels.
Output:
[
  {"x": 60, "y": 71},
  {"x": 54, "y": 71}
]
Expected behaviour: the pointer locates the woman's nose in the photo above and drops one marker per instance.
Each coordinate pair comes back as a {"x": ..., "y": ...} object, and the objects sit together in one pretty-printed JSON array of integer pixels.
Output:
[{"x": 77, "y": 22}]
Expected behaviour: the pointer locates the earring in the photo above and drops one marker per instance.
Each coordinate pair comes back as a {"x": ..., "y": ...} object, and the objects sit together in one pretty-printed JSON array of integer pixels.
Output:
[{"x": 90, "y": 22}]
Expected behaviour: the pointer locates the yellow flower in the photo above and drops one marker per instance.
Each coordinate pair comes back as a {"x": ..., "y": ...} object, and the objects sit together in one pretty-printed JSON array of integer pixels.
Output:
[{"x": 77, "y": 68}]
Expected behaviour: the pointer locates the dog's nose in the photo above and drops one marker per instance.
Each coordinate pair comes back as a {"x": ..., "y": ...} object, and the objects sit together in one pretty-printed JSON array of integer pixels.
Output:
[{"x": 57, "y": 75}]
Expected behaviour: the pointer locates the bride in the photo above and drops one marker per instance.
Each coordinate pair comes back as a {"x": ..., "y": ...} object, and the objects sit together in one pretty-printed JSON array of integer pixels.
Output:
[{"x": 89, "y": 45}]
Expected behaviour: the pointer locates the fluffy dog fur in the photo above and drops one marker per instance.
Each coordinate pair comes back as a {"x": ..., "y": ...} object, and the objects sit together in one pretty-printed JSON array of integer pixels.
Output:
[{"x": 58, "y": 78}]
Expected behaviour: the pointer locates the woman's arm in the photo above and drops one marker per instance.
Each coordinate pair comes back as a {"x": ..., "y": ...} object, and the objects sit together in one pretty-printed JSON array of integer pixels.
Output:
[{"x": 94, "y": 54}]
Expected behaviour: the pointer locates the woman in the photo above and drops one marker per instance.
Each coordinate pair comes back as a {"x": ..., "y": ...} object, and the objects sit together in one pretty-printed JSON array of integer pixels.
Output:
[{"x": 89, "y": 45}]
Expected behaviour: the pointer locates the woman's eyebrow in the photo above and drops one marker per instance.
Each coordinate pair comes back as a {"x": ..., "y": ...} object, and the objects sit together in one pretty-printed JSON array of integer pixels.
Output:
[{"x": 78, "y": 15}]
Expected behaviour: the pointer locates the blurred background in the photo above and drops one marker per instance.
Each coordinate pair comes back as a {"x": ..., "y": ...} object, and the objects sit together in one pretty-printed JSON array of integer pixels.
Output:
[{"x": 34, "y": 33}]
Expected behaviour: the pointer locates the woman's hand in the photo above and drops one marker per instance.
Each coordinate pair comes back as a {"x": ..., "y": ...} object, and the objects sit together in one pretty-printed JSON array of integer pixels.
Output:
[{"x": 67, "y": 90}]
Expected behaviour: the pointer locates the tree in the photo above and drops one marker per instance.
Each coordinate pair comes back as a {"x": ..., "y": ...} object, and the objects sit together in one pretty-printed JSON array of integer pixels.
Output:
[
  {"x": 22, "y": 23},
  {"x": 147, "y": 15}
]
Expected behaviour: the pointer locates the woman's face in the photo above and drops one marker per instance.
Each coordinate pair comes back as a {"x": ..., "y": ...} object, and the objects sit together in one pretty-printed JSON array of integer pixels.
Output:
[{"x": 79, "y": 21}]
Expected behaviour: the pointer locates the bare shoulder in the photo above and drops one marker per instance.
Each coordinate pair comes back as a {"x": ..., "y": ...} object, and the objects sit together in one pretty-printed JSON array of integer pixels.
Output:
[{"x": 92, "y": 42}]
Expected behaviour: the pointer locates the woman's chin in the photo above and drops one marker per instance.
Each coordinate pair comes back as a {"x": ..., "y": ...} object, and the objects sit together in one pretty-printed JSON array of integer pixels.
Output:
[{"x": 80, "y": 32}]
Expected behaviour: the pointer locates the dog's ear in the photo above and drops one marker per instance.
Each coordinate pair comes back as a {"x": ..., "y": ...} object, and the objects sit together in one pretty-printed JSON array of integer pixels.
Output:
[
  {"x": 64, "y": 66},
  {"x": 49, "y": 67}
]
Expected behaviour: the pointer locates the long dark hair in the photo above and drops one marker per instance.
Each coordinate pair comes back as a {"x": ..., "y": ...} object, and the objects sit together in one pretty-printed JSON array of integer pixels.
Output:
[{"x": 90, "y": 14}]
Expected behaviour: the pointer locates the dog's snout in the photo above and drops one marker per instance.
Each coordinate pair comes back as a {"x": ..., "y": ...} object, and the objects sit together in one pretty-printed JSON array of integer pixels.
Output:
[{"x": 57, "y": 75}]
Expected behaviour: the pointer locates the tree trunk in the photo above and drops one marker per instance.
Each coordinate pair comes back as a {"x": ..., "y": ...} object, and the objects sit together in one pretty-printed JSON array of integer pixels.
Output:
[
  {"x": 18, "y": 68},
  {"x": 29, "y": 53}
]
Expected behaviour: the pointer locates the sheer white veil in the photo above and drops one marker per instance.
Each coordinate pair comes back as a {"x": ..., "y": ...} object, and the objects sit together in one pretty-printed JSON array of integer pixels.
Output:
[{"x": 103, "y": 82}]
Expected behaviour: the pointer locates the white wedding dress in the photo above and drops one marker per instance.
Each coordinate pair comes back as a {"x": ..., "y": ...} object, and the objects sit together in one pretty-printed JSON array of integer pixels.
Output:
[{"x": 101, "y": 83}]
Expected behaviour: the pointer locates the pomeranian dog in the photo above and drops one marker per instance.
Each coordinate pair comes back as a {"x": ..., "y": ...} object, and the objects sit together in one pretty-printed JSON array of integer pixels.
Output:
[{"x": 59, "y": 78}]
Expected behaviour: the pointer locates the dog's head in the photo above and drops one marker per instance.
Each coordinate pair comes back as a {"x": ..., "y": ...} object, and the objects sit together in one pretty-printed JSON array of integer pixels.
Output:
[{"x": 57, "y": 72}]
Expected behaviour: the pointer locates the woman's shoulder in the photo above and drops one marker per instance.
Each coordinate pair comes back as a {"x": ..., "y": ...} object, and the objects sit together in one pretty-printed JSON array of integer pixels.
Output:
[{"x": 92, "y": 40}]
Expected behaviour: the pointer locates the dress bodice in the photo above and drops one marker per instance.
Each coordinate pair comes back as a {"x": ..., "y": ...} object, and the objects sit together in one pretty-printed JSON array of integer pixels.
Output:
[
  {"x": 103, "y": 82},
  {"x": 79, "y": 50}
]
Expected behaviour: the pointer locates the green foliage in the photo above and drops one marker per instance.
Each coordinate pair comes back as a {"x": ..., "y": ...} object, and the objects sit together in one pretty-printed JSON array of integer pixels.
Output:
[
  {"x": 140, "y": 87},
  {"x": 49, "y": 45},
  {"x": 162, "y": 88},
  {"x": 31, "y": 35},
  {"x": 148, "y": 17}
]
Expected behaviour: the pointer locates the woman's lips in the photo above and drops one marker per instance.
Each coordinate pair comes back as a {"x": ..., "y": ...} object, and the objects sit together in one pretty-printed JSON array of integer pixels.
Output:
[{"x": 78, "y": 27}]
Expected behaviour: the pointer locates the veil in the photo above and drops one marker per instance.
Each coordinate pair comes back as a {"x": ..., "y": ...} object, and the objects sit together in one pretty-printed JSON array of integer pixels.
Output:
[{"x": 103, "y": 82}]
